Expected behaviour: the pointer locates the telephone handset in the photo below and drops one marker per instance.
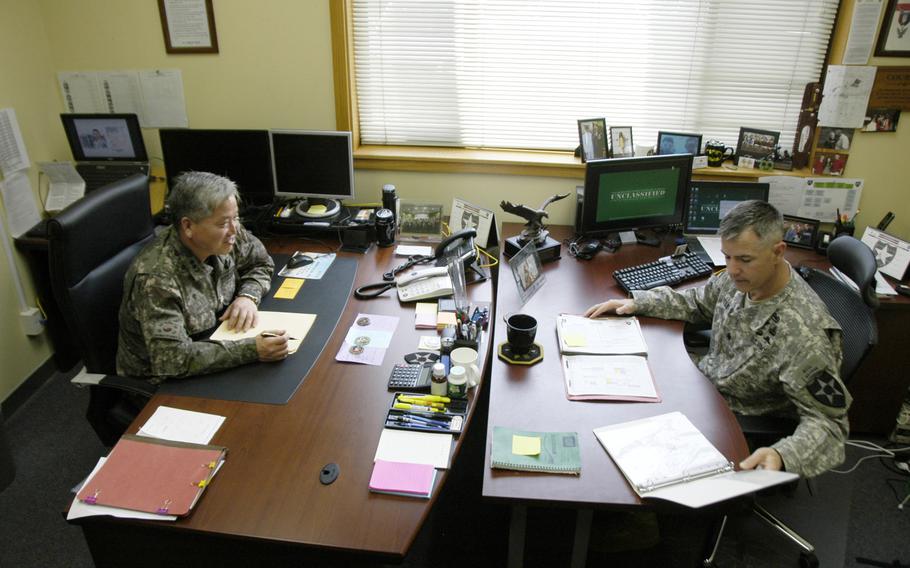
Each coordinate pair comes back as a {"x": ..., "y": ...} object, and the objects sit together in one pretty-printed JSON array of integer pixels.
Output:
[
  {"x": 417, "y": 285},
  {"x": 460, "y": 244}
]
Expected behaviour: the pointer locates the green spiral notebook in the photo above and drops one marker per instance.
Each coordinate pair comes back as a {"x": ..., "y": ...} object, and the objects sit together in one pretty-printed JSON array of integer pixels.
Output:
[{"x": 546, "y": 452}]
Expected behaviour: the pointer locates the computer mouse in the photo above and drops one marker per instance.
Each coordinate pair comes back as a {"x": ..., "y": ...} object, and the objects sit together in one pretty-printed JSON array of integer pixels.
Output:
[
  {"x": 300, "y": 260},
  {"x": 591, "y": 248}
]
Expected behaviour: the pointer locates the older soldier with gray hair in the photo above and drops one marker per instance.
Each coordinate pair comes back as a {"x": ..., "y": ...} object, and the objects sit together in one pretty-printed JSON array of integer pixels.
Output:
[
  {"x": 775, "y": 349},
  {"x": 203, "y": 269}
]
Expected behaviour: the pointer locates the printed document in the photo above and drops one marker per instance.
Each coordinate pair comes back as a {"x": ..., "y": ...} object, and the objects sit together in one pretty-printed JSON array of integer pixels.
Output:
[
  {"x": 616, "y": 377},
  {"x": 602, "y": 336},
  {"x": 66, "y": 185}
]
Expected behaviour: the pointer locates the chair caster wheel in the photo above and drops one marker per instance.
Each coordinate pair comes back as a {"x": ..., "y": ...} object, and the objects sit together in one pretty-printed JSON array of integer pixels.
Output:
[{"x": 808, "y": 560}]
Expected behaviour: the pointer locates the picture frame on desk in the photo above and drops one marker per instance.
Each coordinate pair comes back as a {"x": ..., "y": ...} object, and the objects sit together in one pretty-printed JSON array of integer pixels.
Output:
[
  {"x": 893, "y": 41},
  {"x": 621, "y": 142},
  {"x": 756, "y": 144},
  {"x": 592, "y": 134},
  {"x": 188, "y": 26},
  {"x": 800, "y": 232},
  {"x": 420, "y": 221},
  {"x": 526, "y": 270}
]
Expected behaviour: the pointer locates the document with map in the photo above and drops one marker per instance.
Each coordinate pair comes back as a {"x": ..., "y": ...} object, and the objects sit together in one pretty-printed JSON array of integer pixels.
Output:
[{"x": 667, "y": 457}]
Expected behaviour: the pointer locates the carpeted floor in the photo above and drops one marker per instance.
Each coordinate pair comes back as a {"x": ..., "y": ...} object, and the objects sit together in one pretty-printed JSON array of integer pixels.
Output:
[{"x": 848, "y": 516}]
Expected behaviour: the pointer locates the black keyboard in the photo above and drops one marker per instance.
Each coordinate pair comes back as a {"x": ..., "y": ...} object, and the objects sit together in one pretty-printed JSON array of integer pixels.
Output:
[
  {"x": 667, "y": 271},
  {"x": 101, "y": 175}
]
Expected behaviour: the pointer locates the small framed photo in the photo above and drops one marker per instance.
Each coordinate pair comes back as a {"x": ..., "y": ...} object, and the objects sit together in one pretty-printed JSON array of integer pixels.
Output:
[
  {"x": 526, "y": 271},
  {"x": 757, "y": 144},
  {"x": 826, "y": 163},
  {"x": 833, "y": 138},
  {"x": 881, "y": 120},
  {"x": 678, "y": 143},
  {"x": 800, "y": 232},
  {"x": 592, "y": 133},
  {"x": 893, "y": 39},
  {"x": 621, "y": 142},
  {"x": 420, "y": 221}
]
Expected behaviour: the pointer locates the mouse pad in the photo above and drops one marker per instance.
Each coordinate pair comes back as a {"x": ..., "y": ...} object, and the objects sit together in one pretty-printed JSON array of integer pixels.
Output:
[{"x": 275, "y": 383}]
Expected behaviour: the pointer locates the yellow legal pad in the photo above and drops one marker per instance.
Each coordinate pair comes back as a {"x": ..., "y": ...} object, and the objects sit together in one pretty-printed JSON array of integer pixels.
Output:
[
  {"x": 289, "y": 288},
  {"x": 525, "y": 445}
]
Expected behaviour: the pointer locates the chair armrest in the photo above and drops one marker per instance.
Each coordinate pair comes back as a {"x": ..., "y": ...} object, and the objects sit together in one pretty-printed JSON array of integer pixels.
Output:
[{"x": 127, "y": 384}]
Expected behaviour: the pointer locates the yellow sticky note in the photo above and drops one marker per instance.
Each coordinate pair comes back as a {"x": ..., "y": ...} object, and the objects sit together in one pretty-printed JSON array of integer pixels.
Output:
[
  {"x": 289, "y": 289},
  {"x": 316, "y": 209},
  {"x": 525, "y": 445},
  {"x": 425, "y": 308},
  {"x": 575, "y": 339}
]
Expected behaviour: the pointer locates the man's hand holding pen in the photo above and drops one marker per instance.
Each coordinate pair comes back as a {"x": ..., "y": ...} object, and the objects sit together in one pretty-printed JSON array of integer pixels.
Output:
[{"x": 272, "y": 345}]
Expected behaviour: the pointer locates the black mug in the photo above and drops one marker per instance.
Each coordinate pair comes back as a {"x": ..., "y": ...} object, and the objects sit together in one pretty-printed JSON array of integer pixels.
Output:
[
  {"x": 717, "y": 152},
  {"x": 520, "y": 332},
  {"x": 385, "y": 228}
]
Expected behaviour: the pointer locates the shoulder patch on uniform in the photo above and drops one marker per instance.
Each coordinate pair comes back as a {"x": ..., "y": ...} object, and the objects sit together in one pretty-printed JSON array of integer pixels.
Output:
[{"x": 827, "y": 390}]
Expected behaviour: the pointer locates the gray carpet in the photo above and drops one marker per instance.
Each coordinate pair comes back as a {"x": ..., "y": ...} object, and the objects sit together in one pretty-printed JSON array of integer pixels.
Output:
[{"x": 848, "y": 516}]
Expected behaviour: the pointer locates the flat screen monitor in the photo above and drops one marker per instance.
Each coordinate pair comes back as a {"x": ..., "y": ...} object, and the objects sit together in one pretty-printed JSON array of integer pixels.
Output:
[
  {"x": 710, "y": 201},
  {"x": 312, "y": 164},
  {"x": 634, "y": 193},
  {"x": 104, "y": 137},
  {"x": 240, "y": 155}
]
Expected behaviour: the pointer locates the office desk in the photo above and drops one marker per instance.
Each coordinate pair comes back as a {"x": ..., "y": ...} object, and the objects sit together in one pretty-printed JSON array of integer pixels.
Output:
[
  {"x": 534, "y": 398},
  {"x": 267, "y": 506}
]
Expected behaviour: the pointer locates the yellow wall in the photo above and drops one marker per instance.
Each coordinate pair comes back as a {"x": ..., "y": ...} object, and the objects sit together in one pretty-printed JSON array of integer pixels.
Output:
[{"x": 274, "y": 69}]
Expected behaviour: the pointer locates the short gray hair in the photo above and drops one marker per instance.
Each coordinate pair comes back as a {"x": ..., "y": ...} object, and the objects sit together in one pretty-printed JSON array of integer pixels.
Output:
[
  {"x": 196, "y": 195},
  {"x": 762, "y": 217}
]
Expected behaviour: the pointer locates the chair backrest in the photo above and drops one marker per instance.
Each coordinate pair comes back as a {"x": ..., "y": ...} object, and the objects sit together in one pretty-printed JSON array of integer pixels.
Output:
[
  {"x": 853, "y": 310},
  {"x": 92, "y": 244}
]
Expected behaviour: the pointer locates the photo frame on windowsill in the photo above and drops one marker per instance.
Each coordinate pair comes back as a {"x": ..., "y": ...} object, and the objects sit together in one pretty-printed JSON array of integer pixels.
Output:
[
  {"x": 800, "y": 232},
  {"x": 621, "y": 142},
  {"x": 678, "y": 143},
  {"x": 756, "y": 144},
  {"x": 188, "y": 26},
  {"x": 592, "y": 134}
]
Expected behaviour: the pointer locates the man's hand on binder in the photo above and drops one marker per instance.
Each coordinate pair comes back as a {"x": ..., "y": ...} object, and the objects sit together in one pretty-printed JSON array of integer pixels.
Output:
[
  {"x": 763, "y": 458},
  {"x": 621, "y": 307}
]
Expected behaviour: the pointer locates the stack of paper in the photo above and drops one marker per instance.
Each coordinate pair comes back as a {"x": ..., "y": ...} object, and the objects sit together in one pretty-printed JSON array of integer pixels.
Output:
[
  {"x": 401, "y": 478},
  {"x": 425, "y": 315}
]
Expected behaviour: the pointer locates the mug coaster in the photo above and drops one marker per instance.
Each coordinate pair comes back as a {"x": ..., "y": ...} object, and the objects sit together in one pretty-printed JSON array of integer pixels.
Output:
[{"x": 534, "y": 354}]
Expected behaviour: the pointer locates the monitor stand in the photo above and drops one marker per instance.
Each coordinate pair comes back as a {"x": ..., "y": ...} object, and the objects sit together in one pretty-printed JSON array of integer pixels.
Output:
[
  {"x": 627, "y": 237},
  {"x": 332, "y": 207}
]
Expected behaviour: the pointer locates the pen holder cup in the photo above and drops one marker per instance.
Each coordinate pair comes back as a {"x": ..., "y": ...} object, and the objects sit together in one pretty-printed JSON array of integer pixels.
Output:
[
  {"x": 520, "y": 332},
  {"x": 467, "y": 343}
]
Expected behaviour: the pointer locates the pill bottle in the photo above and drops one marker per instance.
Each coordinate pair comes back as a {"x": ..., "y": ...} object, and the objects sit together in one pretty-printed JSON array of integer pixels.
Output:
[
  {"x": 439, "y": 385},
  {"x": 458, "y": 382}
]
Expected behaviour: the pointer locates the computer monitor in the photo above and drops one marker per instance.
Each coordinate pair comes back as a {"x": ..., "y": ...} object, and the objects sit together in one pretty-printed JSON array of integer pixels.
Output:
[
  {"x": 710, "y": 201},
  {"x": 240, "y": 155},
  {"x": 104, "y": 137},
  {"x": 316, "y": 165},
  {"x": 624, "y": 194}
]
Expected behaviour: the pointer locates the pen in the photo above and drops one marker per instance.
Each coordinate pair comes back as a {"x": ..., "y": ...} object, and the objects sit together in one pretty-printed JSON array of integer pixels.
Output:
[
  {"x": 270, "y": 334},
  {"x": 422, "y": 420},
  {"x": 402, "y": 420}
]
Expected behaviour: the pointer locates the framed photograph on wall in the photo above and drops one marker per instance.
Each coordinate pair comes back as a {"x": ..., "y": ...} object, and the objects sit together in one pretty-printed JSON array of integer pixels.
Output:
[
  {"x": 592, "y": 133},
  {"x": 893, "y": 39},
  {"x": 678, "y": 143},
  {"x": 621, "y": 142},
  {"x": 800, "y": 232},
  {"x": 757, "y": 144},
  {"x": 188, "y": 25},
  {"x": 833, "y": 138}
]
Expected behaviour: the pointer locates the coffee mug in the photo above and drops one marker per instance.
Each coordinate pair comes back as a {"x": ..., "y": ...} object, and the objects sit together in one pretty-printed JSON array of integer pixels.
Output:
[
  {"x": 467, "y": 358},
  {"x": 717, "y": 152},
  {"x": 520, "y": 332}
]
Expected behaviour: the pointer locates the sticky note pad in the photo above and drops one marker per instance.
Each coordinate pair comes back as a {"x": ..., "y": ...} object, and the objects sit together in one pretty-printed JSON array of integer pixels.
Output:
[
  {"x": 425, "y": 315},
  {"x": 444, "y": 319},
  {"x": 575, "y": 339},
  {"x": 289, "y": 289},
  {"x": 525, "y": 445}
]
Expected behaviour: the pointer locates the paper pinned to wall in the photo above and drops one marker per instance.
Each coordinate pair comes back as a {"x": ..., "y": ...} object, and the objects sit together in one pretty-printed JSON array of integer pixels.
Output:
[
  {"x": 80, "y": 91},
  {"x": 19, "y": 201},
  {"x": 862, "y": 32},
  {"x": 154, "y": 95},
  {"x": 122, "y": 93},
  {"x": 162, "y": 93},
  {"x": 13, "y": 156},
  {"x": 817, "y": 198},
  {"x": 846, "y": 95}
]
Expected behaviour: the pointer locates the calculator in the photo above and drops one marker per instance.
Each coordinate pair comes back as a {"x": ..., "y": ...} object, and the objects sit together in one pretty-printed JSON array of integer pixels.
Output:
[{"x": 410, "y": 376}]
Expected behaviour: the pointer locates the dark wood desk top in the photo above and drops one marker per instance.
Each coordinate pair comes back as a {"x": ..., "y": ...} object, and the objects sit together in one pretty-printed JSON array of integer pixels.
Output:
[
  {"x": 534, "y": 398},
  {"x": 269, "y": 487}
]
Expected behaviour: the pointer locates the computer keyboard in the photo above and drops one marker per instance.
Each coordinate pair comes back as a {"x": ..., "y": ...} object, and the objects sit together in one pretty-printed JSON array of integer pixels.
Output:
[{"x": 667, "y": 271}]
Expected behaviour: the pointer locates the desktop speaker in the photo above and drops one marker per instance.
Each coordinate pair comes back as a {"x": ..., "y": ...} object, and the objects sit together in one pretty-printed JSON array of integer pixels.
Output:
[{"x": 579, "y": 207}]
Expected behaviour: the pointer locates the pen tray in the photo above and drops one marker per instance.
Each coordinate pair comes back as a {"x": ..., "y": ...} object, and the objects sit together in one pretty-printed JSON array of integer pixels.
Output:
[{"x": 453, "y": 418}]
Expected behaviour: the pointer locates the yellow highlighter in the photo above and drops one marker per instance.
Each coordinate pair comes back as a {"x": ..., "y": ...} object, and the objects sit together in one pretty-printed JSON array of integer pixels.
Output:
[
  {"x": 417, "y": 407},
  {"x": 419, "y": 401},
  {"x": 431, "y": 398}
]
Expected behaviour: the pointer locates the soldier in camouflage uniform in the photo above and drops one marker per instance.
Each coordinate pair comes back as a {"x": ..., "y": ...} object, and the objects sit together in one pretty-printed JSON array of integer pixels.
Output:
[
  {"x": 204, "y": 268},
  {"x": 775, "y": 349}
]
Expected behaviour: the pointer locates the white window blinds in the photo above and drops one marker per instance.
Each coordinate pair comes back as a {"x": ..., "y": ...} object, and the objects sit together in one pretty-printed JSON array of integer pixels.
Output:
[{"x": 519, "y": 74}]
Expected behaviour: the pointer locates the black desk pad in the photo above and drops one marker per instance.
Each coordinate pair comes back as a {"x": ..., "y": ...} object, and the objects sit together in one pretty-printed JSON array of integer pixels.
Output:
[{"x": 275, "y": 383}]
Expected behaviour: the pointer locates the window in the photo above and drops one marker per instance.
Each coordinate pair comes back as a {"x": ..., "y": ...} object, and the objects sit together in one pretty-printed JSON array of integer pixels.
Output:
[{"x": 519, "y": 74}]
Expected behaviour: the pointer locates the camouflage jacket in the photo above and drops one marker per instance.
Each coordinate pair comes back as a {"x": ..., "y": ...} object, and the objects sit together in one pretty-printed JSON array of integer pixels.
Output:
[
  {"x": 778, "y": 357},
  {"x": 170, "y": 299}
]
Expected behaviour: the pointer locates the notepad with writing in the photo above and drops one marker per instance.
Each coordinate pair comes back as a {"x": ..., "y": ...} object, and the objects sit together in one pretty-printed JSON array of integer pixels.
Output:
[
  {"x": 667, "y": 457},
  {"x": 153, "y": 475},
  {"x": 401, "y": 478},
  {"x": 296, "y": 325},
  {"x": 545, "y": 452}
]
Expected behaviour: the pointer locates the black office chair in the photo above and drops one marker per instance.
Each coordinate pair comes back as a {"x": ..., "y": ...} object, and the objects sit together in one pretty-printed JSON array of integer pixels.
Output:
[{"x": 91, "y": 245}]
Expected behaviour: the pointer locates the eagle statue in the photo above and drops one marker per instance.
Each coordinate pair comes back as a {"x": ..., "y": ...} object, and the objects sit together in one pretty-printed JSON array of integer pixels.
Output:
[{"x": 534, "y": 229}]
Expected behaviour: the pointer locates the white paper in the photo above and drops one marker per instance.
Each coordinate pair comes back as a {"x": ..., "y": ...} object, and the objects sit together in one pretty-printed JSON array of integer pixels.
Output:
[
  {"x": 66, "y": 186},
  {"x": 702, "y": 492},
  {"x": 786, "y": 193},
  {"x": 376, "y": 339},
  {"x": 78, "y": 509},
  {"x": 602, "y": 336},
  {"x": 296, "y": 325},
  {"x": 187, "y": 23},
  {"x": 711, "y": 244},
  {"x": 122, "y": 93},
  {"x": 882, "y": 288},
  {"x": 622, "y": 376},
  {"x": 414, "y": 447},
  {"x": 13, "y": 156},
  {"x": 410, "y": 250},
  {"x": 162, "y": 92},
  {"x": 181, "y": 425},
  {"x": 862, "y": 31},
  {"x": 846, "y": 95},
  {"x": 892, "y": 255},
  {"x": 823, "y": 197},
  {"x": 80, "y": 91},
  {"x": 19, "y": 201}
]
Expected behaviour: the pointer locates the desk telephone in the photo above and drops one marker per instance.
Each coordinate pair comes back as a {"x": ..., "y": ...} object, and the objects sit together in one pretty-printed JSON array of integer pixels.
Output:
[{"x": 420, "y": 284}]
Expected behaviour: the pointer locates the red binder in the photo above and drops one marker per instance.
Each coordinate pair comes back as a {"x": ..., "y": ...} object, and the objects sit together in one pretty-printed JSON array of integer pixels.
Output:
[{"x": 153, "y": 475}]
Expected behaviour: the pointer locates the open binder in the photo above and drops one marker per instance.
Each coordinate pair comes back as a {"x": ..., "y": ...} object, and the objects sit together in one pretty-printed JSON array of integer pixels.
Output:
[{"x": 153, "y": 475}]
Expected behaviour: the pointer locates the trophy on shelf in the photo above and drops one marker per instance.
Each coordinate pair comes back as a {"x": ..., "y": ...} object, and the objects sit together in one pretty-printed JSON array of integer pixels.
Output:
[{"x": 534, "y": 230}]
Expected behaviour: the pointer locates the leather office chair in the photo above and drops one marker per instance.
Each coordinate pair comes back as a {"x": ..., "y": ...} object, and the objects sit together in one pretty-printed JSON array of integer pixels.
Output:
[
  {"x": 852, "y": 308},
  {"x": 91, "y": 246}
]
